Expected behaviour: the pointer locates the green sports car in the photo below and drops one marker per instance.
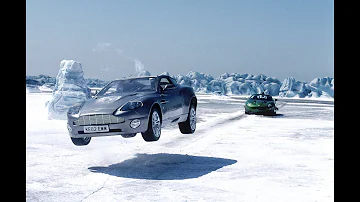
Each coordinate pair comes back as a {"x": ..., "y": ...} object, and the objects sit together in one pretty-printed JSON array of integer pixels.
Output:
[{"x": 260, "y": 104}]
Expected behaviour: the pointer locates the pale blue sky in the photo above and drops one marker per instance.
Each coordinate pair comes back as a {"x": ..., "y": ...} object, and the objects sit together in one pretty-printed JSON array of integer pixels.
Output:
[{"x": 277, "y": 38}]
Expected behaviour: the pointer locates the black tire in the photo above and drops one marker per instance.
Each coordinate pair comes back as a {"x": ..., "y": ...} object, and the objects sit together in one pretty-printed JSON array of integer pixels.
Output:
[
  {"x": 81, "y": 141},
  {"x": 189, "y": 126},
  {"x": 153, "y": 132}
]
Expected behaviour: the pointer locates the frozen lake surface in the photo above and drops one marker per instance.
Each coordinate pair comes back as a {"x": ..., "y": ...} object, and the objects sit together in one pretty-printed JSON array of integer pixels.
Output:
[{"x": 230, "y": 157}]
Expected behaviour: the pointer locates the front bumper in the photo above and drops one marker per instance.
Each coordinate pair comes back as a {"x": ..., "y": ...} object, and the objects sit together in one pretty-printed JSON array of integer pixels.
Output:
[
  {"x": 260, "y": 110},
  {"x": 77, "y": 131}
]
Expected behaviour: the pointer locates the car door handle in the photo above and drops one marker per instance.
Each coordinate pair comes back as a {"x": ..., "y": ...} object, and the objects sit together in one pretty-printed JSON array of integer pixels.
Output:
[{"x": 164, "y": 101}]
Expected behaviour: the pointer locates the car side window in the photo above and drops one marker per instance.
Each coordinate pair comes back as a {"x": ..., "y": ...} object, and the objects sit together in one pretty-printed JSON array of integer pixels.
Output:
[
  {"x": 163, "y": 82},
  {"x": 111, "y": 90}
]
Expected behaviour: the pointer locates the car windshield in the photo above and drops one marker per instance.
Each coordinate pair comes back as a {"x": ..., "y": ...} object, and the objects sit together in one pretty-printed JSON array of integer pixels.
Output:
[
  {"x": 261, "y": 97},
  {"x": 125, "y": 86}
]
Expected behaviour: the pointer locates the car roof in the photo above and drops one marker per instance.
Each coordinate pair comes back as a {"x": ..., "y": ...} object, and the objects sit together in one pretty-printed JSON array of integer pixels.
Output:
[
  {"x": 137, "y": 77},
  {"x": 261, "y": 94}
]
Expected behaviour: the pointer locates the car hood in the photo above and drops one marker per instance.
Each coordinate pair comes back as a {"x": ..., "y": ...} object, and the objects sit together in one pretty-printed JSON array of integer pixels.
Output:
[{"x": 108, "y": 104}]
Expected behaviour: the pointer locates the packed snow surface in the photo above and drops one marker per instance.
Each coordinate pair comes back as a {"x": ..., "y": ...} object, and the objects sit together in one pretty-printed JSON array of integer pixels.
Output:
[{"x": 230, "y": 157}]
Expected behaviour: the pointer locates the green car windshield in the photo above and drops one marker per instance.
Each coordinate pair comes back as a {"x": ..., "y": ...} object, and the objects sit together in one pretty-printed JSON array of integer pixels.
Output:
[{"x": 261, "y": 97}]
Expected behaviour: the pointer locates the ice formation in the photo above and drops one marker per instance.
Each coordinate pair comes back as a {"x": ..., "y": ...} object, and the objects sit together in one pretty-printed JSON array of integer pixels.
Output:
[
  {"x": 322, "y": 87},
  {"x": 70, "y": 89},
  {"x": 226, "y": 84},
  {"x": 139, "y": 67}
]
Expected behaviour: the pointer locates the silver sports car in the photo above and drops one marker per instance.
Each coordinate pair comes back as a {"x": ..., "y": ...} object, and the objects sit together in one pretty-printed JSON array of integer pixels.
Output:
[{"x": 134, "y": 105}]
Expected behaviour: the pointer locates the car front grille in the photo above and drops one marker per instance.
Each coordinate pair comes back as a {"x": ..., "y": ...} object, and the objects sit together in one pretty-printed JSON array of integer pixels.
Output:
[
  {"x": 260, "y": 108},
  {"x": 110, "y": 130},
  {"x": 98, "y": 119}
]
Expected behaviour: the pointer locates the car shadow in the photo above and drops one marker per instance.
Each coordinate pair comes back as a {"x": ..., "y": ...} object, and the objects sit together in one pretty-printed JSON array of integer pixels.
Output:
[
  {"x": 163, "y": 166},
  {"x": 267, "y": 115},
  {"x": 275, "y": 115}
]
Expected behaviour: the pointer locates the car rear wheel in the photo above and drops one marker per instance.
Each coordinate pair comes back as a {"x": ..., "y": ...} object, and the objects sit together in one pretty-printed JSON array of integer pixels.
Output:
[
  {"x": 189, "y": 126},
  {"x": 81, "y": 141},
  {"x": 154, "y": 127}
]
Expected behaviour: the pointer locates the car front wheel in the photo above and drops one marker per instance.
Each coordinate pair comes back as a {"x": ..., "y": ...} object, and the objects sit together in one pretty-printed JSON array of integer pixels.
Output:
[
  {"x": 189, "y": 126},
  {"x": 154, "y": 127},
  {"x": 81, "y": 141},
  {"x": 128, "y": 135}
]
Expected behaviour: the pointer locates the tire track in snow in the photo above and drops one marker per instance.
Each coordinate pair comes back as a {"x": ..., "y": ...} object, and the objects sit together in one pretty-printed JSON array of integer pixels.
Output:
[
  {"x": 201, "y": 132},
  {"x": 217, "y": 133}
]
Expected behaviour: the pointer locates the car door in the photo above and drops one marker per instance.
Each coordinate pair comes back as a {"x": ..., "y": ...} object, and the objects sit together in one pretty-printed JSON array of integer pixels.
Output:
[{"x": 170, "y": 99}]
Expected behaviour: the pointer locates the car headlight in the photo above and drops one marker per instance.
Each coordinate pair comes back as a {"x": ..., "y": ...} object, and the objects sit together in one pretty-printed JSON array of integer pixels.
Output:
[
  {"x": 75, "y": 109},
  {"x": 129, "y": 106},
  {"x": 270, "y": 105}
]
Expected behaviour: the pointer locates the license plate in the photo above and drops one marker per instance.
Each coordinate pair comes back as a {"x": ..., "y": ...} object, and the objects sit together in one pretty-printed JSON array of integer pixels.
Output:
[{"x": 96, "y": 129}]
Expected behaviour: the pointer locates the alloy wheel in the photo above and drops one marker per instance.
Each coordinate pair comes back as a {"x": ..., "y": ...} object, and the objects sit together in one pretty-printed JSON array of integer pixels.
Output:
[
  {"x": 156, "y": 124},
  {"x": 192, "y": 118}
]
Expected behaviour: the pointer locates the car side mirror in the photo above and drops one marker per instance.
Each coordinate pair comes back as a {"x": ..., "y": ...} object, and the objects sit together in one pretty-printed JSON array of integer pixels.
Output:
[
  {"x": 93, "y": 94},
  {"x": 169, "y": 86}
]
